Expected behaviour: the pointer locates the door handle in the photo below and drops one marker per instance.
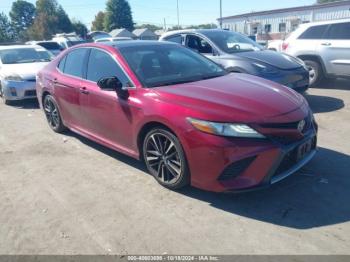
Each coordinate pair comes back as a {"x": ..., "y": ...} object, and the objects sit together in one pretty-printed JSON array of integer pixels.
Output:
[
  {"x": 326, "y": 44},
  {"x": 55, "y": 81},
  {"x": 84, "y": 91}
]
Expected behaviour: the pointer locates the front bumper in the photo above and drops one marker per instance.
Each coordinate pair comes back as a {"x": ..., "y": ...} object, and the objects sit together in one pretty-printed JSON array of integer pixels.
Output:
[
  {"x": 254, "y": 163},
  {"x": 18, "y": 90},
  {"x": 297, "y": 79}
]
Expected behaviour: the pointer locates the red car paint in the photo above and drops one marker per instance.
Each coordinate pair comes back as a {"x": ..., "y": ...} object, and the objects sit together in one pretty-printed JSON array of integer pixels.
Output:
[{"x": 235, "y": 98}]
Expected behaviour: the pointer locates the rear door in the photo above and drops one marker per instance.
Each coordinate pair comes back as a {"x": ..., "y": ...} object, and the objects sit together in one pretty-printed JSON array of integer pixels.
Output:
[
  {"x": 310, "y": 41},
  {"x": 202, "y": 46},
  {"x": 335, "y": 49},
  {"x": 67, "y": 86}
]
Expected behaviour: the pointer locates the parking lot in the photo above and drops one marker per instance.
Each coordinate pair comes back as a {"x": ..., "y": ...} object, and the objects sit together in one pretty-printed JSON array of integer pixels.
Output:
[{"x": 62, "y": 194}]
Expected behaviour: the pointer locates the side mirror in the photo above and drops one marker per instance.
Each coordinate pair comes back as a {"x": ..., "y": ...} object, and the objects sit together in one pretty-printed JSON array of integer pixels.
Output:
[{"x": 113, "y": 84}]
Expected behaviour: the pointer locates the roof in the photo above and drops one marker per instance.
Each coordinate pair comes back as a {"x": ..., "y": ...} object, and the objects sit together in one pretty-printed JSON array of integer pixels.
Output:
[
  {"x": 121, "y": 32},
  {"x": 19, "y": 47},
  {"x": 186, "y": 31},
  {"x": 291, "y": 9},
  {"x": 133, "y": 43},
  {"x": 143, "y": 32}
]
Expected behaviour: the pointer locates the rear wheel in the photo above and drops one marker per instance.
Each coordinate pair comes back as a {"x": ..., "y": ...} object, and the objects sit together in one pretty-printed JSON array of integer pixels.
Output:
[
  {"x": 315, "y": 72},
  {"x": 53, "y": 114},
  {"x": 165, "y": 159}
]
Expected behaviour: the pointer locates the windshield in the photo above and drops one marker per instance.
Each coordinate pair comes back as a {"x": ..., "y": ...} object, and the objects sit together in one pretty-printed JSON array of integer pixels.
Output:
[
  {"x": 50, "y": 45},
  {"x": 161, "y": 65},
  {"x": 231, "y": 42},
  {"x": 24, "y": 55}
]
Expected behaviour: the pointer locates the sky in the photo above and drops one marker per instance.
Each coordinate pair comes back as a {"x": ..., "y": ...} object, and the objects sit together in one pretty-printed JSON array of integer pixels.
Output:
[{"x": 155, "y": 11}]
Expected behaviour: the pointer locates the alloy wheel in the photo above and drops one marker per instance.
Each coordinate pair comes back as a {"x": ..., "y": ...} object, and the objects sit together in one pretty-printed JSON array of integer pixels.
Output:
[
  {"x": 51, "y": 113},
  {"x": 163, "y": 159},
  {"x": 312, "y": 74}
]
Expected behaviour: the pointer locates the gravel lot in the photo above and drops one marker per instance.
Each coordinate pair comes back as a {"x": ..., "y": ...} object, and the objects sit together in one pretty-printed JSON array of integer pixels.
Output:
[{"x": 62, "y": 194}]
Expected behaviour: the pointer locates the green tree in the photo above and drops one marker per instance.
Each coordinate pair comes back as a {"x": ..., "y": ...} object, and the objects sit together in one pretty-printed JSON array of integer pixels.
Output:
[
  {"x": 98, "y": 23},
  {"x": 203, "y": 26},
  {"x": 6, "y": 30},
  {"x": 50, "y": 19},
  {"x": 22, "y": 16},
  {"x": 80, "y": 28},
  {"x": 118, "y": 15}
]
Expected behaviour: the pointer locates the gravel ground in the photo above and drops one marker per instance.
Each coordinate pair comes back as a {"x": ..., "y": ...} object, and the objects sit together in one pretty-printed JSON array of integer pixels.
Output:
[{"x": 62, "y": 194}]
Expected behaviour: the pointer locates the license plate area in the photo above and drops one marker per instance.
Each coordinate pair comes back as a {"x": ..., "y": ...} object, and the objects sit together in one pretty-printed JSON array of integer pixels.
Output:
[{"x": 305, "y": 148}]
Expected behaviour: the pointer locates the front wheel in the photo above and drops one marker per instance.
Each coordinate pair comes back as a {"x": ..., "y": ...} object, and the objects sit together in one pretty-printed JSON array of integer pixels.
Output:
[
  {"x": 2, "y": 95},
  {"x": 53, "y": 114},
  {"x": 165, "y": 159},
  {"x": 315, "y": 72}
]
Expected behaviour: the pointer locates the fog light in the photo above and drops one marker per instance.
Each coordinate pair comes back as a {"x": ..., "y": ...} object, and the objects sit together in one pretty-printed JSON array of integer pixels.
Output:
[{"x": 13, "y": 91}]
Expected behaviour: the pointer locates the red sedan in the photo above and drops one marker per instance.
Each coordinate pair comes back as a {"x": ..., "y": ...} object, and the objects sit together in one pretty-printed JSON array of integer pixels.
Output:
[{"x": 185, "y": 116}]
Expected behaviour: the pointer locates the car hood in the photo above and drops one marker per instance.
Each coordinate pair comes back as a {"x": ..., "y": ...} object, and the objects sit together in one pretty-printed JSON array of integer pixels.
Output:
[
  {"x": 26, "y": 71},
  {"x": 234, "y": 97},
  {"x": 272, "y": 58}
]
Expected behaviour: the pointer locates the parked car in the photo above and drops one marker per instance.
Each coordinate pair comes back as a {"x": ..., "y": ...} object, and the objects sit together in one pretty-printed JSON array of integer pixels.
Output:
[
  {"x": 275, "y": 45},
  {"x": 95, "y": 35},
  {"x": 237, "y": 53},
  {"x": 185, "y": 116},
  {"x": 113, "y": 39},
  {"x": 68, "y": 40},
  {"x": 51, "y": 46},
  {"x": 19, "y": 65},
  {"x": 323, "y": 46}
]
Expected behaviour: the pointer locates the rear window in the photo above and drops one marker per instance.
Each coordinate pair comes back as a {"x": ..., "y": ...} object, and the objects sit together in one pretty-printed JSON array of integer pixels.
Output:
[
  {"x": 339, "y": 31},
  {"x": 315, "y": 32},
  {"x": 50, "y": 45}
]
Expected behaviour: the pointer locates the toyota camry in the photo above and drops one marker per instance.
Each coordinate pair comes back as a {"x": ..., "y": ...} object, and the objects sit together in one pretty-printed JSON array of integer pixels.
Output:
[{"x": 187, "y": 118}]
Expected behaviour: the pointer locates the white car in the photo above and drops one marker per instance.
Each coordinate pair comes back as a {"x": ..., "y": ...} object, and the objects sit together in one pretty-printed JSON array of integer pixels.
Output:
[
  {"x": 113, "y": 39},
  {"x": 19, "y": 65},
  {"x": 323, "y": 46},
  {"x": 68, "y": 40}
]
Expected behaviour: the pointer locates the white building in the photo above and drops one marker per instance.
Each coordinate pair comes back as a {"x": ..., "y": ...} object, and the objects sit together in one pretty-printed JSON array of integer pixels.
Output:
[{"x": 275, "y": 24}]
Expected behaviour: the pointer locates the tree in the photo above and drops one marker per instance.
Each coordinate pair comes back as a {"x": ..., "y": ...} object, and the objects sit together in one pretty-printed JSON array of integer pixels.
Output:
[
  {"x": 98, "y": 23},
  {"x": 22, "y": 16},
  {"x": 203, "y": 26},
  {"x": 50, "y": 19},
  {"x": 80, "y": 28},
  {"x": 118, "y": 15},
  {"x": 64, "y": 25},
  {"x": 6, "y": 30},
  {"x": 149, "y": 26}
]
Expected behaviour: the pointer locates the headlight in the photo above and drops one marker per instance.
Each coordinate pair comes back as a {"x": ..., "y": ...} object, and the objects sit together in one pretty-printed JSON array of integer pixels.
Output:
[
  {"x": 225, "y": 129},
  {"x": 265, "y": 69},
  {"x": 13, "y": 77}
]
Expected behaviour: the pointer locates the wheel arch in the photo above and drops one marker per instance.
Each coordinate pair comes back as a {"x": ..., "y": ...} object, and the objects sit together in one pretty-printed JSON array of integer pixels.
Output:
[{"x": 314, "y": 58}]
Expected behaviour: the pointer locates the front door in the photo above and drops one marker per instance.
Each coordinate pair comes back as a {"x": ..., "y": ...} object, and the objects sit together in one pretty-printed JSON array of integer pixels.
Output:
[{"x": 108, "y": 117}]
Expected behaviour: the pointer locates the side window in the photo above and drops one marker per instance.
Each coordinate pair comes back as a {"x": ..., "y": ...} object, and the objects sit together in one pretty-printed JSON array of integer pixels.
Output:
[
  {"x": 175, "y": 39},
  {"x": 102, "y": 65},
  {"x": 315, "y": 32},
  {"x": 339, "y": 31},
  {"x": 74, "y": 62},
  {"x": 62, "y": 64},
  {"x": 199, "y": 44}
]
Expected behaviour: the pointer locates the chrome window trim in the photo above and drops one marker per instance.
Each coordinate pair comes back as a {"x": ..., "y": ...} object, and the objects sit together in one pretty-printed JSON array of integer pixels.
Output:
[{"x": 115, "y": 60}]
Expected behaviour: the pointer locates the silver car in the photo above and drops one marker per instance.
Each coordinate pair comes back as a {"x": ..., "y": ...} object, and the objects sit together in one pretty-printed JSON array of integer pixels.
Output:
[
  {"x": 323, "y": 46},
  {"x": 19, "y": 65}
]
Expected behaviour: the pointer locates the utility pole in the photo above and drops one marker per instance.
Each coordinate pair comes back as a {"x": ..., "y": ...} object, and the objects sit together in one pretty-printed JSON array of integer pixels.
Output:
[
  {"x": 178, "y": 15},
  {"x": 220, "y": 14}
]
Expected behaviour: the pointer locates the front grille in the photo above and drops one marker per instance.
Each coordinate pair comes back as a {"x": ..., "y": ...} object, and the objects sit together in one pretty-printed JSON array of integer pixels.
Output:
[
  {"x": 30, "y": 93},
  {"x": 236, "y": 169}
]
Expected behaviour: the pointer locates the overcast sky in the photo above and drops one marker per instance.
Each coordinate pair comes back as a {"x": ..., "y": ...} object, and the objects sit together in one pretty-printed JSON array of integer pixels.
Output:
[{"x": 154, "y": 11}]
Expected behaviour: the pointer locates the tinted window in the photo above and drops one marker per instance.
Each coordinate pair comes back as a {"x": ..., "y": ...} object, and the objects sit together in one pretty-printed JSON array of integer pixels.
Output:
[
  {"x": 75, "y": 62},
  {"x": 199, "y": 44},
  {"x": 160, "y": 65},
  {"x": 339, "y": 31},
  {"x": 175, "y": 39},
  {"x": 102, "y": 65},
  {"x": 315, "y": 32},
  {"x": 62, "y": 64}
]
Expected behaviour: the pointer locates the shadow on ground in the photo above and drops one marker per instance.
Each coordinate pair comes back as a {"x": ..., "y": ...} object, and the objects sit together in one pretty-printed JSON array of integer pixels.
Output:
[
  {"x": 340, "y": 84},
  {"x": 316, "y": 196},
  {"x": 25, "y": 104},
  {"x": 324, "y": 104}
]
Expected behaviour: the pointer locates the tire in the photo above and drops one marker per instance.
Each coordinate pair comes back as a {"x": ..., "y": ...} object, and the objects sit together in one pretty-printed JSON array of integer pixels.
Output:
[
  {"x": 316, "y": 72},
  {"x": 4, "y": 100},
  {"x": 165, "y": 159},
  {"x": 53, "y": 114}
]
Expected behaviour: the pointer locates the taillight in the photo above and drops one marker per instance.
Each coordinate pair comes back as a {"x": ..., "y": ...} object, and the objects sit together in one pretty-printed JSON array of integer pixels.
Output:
[{"x": 285, "y": 46}]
